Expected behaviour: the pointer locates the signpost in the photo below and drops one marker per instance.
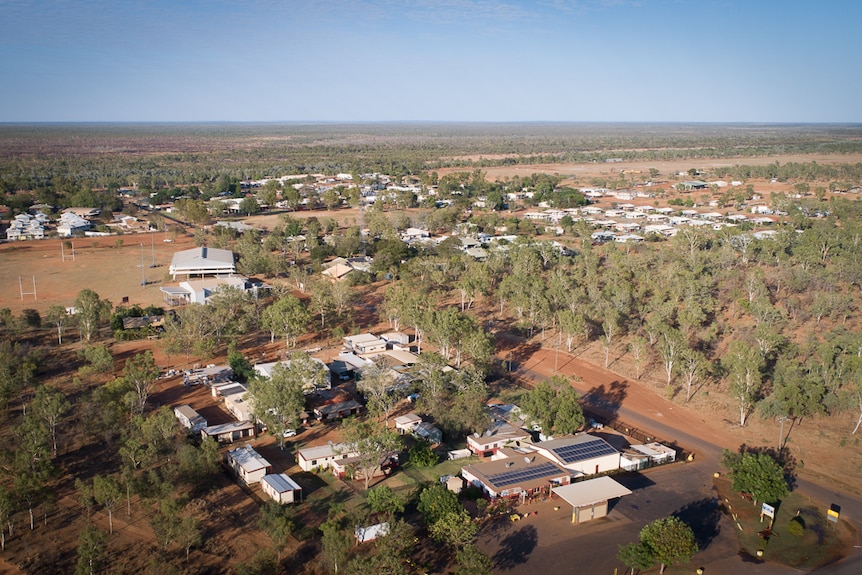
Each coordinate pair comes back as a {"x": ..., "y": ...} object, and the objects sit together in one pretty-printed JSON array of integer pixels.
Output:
[
  {"x": 833, "y": 513},
  {"x": 769, "y": 511}
]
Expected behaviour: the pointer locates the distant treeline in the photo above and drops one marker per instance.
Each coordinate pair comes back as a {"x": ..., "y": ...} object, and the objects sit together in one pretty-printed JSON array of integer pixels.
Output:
[{"x": 55, "y": 162}]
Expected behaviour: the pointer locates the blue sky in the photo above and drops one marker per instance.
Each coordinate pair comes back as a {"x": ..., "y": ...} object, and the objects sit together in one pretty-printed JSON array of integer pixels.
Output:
[{"x": 431, "y": 60}]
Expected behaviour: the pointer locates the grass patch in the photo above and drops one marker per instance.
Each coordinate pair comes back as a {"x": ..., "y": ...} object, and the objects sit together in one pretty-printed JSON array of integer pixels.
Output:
[
  {"x": 410, "y": 476},
  {"x": 801, "y": 536}
]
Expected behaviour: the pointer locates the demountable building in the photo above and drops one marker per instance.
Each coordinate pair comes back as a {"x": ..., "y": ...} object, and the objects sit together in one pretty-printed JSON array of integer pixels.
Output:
[{"x": 281, "y": 488}]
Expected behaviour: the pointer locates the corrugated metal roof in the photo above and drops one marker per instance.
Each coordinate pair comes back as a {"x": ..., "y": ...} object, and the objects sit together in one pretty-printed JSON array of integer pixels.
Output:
[{"x": 281, "y": 482}]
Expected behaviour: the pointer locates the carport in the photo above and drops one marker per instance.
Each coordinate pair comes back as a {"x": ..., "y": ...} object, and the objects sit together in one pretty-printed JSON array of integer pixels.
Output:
[{"x": 589, "y": 499}]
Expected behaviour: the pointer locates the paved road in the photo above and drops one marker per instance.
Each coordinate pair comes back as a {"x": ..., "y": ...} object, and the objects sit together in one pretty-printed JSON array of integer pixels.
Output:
[{"x": 707, "y": 455}]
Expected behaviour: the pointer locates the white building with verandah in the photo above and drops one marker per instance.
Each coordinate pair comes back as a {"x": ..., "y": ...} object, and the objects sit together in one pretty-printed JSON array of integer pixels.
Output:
[{"x": 202, "y": 261}]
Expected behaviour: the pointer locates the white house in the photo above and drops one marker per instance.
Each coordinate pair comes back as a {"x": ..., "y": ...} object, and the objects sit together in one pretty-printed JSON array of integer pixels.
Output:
[
  {"x": 248, "y": 464},
  {"x": 322, "y": 456},
  {"x": 238, "y": 404},
  {"x": 265, "y": 370},
  {"x": 407, "y": 423},
  {"x": 70, "y": 223},
  {"x": 203, "y": 290},
  {"x": 189, "y": 418},
  {"x": 364, "y": 343},
  {"x": 499, "y": 435},
  {"x": 230, "y": 432},
  {"x": 582, "y": 453},
  {"x": 281, "y": 488}
]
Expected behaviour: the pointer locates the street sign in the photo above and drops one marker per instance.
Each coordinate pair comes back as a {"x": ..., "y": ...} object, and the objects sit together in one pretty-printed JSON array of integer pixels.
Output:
[
  {"x": 768, "y": 510},
  {"x": 833, "y": 512}
]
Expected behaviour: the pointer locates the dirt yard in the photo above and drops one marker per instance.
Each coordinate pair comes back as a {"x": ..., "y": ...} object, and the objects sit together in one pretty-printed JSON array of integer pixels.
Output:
[
  {"x": 665, "y": 168},
  {"x": 110, "y": 266}
]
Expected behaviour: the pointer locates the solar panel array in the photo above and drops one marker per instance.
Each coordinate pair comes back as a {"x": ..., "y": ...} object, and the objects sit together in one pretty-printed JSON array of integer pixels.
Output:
[
  {"x": 524, "y": 474},
  {"x": 581, "y": 451}
]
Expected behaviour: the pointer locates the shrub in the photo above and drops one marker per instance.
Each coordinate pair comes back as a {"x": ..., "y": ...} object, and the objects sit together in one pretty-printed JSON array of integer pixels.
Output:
[
  {"x": 421, "y": 455},
  {"x": 796, "y": 527}
]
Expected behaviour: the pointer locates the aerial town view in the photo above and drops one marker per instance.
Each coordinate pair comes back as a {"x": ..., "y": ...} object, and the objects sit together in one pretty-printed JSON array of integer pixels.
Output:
[{"x": 430, "y": 287}]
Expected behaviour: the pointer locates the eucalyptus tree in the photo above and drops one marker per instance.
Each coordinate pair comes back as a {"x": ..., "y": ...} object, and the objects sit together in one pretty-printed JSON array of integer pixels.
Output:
[
  {"x": 278, "y": 400},
  {"x": 141, "y": 373},
  {"x": 91, "y": 311},
  {"x": 372, "y": 443},
  {"x": 50, "y": 405},
  {"x": 743, "y": 363},
  {"x": 379, "y": 385},
  {"x": 287, "y": 317},
  {"x": 59, "y": 317}
]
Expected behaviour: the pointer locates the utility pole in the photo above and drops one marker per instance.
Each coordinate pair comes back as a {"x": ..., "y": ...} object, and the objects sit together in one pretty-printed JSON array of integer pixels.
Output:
[
  {"x": 153, "y": 246},
  {"x": 143, "y": 277}
]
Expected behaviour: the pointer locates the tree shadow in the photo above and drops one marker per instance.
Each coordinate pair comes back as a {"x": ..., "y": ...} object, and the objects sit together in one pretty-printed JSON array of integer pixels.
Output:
[
  {"x": 702, "y": 516},
  {"x": 606, "y": 401},
  {"x": 516, "y": 548}
]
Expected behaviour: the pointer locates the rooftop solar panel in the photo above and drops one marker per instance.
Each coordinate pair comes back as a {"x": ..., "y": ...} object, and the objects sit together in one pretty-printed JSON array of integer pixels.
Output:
[
  {"x": 524, "y": 474},
  {"x": 580, "y": 452}
]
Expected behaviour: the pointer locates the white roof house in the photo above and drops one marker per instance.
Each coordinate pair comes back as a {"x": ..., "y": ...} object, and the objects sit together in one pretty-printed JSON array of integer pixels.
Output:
[
  {"x": 583, "y": 453},
  {"x": 189, "y": 418},
  {"x": 322, "y": 456},
  {"x": 364, "y": 343},
  {"x": 499, "y": 435},
  {"x": 265, "y": 370},
  {"x": 202, "y": 261},
  {"x": 230, "y": 432},
  {"x": 71, "y": 223},
  {"x": 407, "y": 423},
  {"x": 248, "y": 464},
  {"x": 281, "y": 488},
  {"x": 201, "y": 291}
]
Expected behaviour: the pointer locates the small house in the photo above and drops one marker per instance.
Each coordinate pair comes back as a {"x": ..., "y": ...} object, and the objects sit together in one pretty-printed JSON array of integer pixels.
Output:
[
  {"x": 407, "y": 423},
  {"x": 589, "y": 499},
  {"x": 281, "y": 488},
  {"x": 247, "y": 464},
  {"x": 340, "y": 410},
  {"x": 189, "y": 418},
  {"x": 230, "y": 432},
  {"x": 496, "y": 437},
  {"x": 321, "y": 456},
  {"x": 364, "y": 343}
]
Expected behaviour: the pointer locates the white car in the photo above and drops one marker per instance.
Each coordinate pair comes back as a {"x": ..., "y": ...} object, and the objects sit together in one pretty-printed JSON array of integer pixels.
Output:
[{"x": 289, "y": 432}]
